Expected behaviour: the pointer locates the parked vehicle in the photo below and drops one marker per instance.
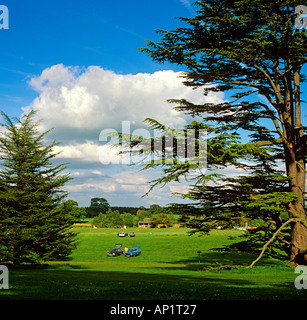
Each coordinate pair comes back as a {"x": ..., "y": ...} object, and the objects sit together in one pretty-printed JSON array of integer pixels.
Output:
[
  {"x": 132, "y": 234},
  {"x": 122, "y": 234},
  {"x": 116, "y": 251},
  {"x": 133, "y": 252}
]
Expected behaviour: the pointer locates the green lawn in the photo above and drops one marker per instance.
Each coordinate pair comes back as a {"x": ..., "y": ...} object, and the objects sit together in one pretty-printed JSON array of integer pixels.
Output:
[{"x": 168, "y": 269}]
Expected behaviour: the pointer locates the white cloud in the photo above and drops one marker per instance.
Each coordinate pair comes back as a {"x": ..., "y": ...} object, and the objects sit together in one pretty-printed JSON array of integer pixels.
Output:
[
  {"x": 99, "y": 173},
  {"x": 129, "y": 178},
  {"x": 86, "y": 152},
  {"x": 80, "y": 102},
  {"x": 185, "y": 3},
  {"x": 180, "y": 188},
  {"x": 86, "y": 187},
  {"x": 83, "y": 102},
  {"x": 188, "y": 5}
]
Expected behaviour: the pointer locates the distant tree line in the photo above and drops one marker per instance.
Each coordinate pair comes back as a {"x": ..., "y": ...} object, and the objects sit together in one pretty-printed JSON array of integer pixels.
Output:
[
  {"x": 113, "y": 218},
  {"x": 105, "y": 216}
]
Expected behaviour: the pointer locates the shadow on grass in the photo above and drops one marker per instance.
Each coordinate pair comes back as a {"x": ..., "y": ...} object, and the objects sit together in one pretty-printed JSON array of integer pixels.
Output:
[
  {"x": 54, "y": 282},
  {"x": 219, "y": 258}
]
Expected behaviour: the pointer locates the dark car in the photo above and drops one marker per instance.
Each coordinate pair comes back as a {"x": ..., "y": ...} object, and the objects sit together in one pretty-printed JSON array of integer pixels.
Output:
[
  {"x": 116, "y": 251},
  {"x": 132, "y": 234},
  {"x": 133, "y": 252}
]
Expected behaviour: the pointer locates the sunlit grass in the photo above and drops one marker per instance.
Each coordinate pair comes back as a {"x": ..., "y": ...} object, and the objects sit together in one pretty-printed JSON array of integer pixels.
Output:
[{"x": 168, "y": 268}]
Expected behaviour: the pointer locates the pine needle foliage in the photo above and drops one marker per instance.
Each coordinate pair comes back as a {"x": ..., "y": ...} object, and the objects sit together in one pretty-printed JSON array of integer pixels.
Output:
[
  {"x": 33, "y": 225},
  {"x": 252, "y": 51}
]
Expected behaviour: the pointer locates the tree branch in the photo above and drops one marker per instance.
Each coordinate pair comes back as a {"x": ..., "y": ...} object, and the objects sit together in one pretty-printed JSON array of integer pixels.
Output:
[
  {"x": 269, "y": 142},
  {"x": 272, "y": 239}
]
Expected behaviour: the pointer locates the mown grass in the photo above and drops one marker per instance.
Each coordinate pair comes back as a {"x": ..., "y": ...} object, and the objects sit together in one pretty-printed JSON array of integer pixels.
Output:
[{"x": 168, "y": 269}]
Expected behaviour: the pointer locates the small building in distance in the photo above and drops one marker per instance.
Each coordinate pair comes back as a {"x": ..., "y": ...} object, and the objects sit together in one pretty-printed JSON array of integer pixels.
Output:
[{"x": 145, "y": 223}]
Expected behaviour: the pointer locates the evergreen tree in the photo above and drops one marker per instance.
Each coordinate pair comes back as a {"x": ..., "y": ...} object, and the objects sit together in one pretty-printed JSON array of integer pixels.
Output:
[
  {"x": 252, "y": 51},
  {"x": 33, "y": 225}
]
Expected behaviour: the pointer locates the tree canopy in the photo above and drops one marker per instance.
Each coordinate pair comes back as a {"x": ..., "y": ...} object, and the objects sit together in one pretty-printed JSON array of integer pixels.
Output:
[
  {"x": 33, "y": 224},
  {"x": 97, "y": 206},
  {"x": 253, "y": 52}
]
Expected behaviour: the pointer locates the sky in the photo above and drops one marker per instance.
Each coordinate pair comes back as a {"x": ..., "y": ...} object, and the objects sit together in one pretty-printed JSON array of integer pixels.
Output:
[{"x": 77, "y": 63}]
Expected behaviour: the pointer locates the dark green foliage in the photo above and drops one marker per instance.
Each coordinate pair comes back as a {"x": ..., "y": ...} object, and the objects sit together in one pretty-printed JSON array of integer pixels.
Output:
[
  {"x": 250, "y": 51},
  {"x": 72, "y": 209},
  {"x": 33, "y": 225},
  {"x": 162, "y": 218},
  {"x": 131, "y": 210},
  {"x": 113, "y": 218},
  {"x": 98, "y": 205},
  {"x": 252, "y": 241}
]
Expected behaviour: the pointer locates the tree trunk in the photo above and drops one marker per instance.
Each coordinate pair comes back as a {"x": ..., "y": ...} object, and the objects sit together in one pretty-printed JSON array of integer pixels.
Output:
[
  {"x": 296, "y": 169},
  {"x": 298, "y": 243},
  {"x": 294, "y": 148}
]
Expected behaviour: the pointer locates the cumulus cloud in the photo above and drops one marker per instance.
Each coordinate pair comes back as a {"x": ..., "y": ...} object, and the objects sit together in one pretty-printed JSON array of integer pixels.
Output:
[
  {"x": 120, "y": 187},
  {"x": 84, "y": 151},
  {"x": 81, "y": 102}
]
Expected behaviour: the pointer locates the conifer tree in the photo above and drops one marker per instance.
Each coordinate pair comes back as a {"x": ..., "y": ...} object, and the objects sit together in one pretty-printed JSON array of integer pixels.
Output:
[
  {"x": 253, "y": 51},
  {"x": 33, "y": 225}
]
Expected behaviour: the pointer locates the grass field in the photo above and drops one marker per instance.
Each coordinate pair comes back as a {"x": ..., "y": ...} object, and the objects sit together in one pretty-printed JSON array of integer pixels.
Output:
[{"x": 167, "y": 269}]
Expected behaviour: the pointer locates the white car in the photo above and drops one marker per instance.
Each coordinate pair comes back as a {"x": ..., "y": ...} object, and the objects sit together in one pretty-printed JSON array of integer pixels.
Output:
[{"x": 122, "y": 234}]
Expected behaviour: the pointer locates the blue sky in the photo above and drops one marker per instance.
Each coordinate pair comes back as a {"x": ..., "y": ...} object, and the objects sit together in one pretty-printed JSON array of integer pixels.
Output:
[
  {"x": 103, "y": 33},
  {"x": 78, "y": 63},
  {"x": 51, "y": 45}
]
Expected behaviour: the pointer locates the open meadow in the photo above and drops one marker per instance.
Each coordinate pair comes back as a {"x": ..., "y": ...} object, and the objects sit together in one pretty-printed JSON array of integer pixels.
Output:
[{"x": 167, "y": 269}]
